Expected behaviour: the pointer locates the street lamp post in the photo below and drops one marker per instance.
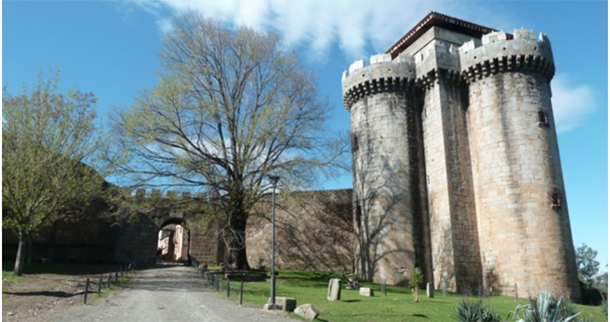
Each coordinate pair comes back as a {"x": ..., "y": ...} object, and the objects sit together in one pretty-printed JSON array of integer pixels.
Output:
[{"x": 274, "y": 180}]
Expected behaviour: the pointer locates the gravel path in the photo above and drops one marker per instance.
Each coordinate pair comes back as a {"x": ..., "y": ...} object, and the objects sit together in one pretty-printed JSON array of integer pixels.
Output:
[{"x": 166, "y": 293}]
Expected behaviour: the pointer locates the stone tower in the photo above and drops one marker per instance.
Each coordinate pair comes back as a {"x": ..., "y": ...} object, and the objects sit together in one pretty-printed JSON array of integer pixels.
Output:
[{"x": 456, "y": 162}]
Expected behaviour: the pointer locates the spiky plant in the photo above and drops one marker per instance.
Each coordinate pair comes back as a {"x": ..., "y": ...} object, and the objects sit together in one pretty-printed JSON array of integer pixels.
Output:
[
  {"x": 416, "y": 278},
  {"x": 478, "y": 311},
  {"x": 545, "y": 309}
]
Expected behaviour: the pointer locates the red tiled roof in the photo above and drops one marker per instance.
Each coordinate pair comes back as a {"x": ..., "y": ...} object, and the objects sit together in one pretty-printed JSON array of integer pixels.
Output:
[{"x": 440, "y": 20}]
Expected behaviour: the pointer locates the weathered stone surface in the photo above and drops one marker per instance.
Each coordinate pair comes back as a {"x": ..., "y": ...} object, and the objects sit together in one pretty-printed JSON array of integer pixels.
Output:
[
  {"x": 269, "y": 306},
  {"x": 366, "y": 291},
  {"x": 455, "y": 151},
  {"x": 334, "y": 289},
  {"x": 286, "y": 303},
  {"x": 307, "y": 311}
]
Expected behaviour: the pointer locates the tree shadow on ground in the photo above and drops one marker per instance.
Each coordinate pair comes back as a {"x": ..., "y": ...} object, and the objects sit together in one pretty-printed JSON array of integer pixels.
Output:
[{"x": 45, "y": 293}]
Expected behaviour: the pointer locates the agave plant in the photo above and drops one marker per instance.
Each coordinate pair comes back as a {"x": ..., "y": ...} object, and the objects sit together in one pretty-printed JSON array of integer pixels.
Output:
[
  {"x": 469, "y": 311},
  {"x": 545, "y": 309},
  {"x": 416, "y": 278}
]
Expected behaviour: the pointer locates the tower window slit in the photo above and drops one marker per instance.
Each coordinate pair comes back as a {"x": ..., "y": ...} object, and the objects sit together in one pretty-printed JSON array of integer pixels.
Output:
[
  {"x": 556, "y": 198},
  {"x": 543, "y": 118}
]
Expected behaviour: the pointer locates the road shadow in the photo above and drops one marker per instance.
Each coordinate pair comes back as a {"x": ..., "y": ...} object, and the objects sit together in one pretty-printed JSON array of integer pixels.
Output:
[{"x": 45, "y": 293}]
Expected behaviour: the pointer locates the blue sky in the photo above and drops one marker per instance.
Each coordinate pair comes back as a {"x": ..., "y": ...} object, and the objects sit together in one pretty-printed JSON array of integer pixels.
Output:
[{"x": 111, "y": 48}]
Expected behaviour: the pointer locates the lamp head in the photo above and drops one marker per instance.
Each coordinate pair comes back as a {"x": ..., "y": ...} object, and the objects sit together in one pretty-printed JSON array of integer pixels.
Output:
[{"x": 274, "y": 179}]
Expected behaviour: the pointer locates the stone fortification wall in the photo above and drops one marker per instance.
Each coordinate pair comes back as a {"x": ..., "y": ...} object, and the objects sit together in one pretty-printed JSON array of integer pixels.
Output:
[
  {"x": 388, "y": 167},
  {"x": 484, "y": 122},
  {"x": 524, "y": 226},
  {"x": 74, "y": 238},
  {"x": 314, "y": 231},
  {"x": 453, "y": 226}
]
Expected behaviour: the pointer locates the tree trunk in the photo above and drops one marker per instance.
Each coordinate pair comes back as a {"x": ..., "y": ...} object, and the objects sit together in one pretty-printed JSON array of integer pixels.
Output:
[
  {"x": 18, "y": 270},
  {"x": 236, "y": 255},
  {"x": 235, "y": 238}
]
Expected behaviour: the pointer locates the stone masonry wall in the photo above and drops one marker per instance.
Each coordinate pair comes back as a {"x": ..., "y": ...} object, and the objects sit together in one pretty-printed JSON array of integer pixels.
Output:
[
  {"x": 388, "y": 169},
  {"x": 496, "y": 205},
  {"x": 314, "y": 231},
  {"x": 525, "y": 240}
]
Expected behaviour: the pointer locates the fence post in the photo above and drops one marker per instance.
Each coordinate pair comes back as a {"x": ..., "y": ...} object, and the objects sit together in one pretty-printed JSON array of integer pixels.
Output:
[
  {"x": 241, "y": 293},
  {"x": 116, "y": 276},
  {"x": 109, "y": 279},
  {"x": 121, "y": 270},
  {"x": 86, "y": 289},
  {"x": 218, "y": 284},
  {"x": 228, "y": 287},
  {"x": 99, "y": 286}
]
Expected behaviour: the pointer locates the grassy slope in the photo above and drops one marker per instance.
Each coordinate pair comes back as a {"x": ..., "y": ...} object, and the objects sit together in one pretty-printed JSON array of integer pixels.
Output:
[{"x": 398, "y": 305}]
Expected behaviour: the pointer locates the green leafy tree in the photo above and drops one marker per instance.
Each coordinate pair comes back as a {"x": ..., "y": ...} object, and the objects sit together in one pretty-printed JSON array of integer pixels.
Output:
[
  {"x": 587, "y": 265},
  {"x": 47, "y": 139},
  {"x": 231, "y": 107}
]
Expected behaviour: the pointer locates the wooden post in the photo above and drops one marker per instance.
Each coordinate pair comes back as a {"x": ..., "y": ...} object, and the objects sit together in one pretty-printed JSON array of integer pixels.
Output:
[
  {"x": 109, "y": 279},
  {"x": 228, "y": 287},
  {"x": 241, "y": 293},
  {"x": 99, "y": 286}
]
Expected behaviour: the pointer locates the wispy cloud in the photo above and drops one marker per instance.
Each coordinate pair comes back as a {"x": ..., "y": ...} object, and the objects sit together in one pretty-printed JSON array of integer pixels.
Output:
[
  {"x": 359, "y": 28},
  {"x": 571, "y": 103},
  {"x": 355, "y": 26}
]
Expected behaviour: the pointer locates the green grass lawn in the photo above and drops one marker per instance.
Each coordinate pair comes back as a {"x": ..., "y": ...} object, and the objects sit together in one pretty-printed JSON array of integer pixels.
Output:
[{"x": 397, "y": 305}]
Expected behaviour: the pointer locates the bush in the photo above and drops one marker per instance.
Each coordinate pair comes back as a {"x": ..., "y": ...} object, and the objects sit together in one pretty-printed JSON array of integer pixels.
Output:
[
  {"x": 417, "y": 277},
  {"x": 477, "y": 311},
  {"x": 590, "y": 295},
  {"x": 545, "y": 308}
]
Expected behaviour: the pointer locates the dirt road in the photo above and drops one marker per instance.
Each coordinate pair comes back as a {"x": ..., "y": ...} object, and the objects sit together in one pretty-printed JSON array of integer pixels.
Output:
[{"x": 170, "y": 293}]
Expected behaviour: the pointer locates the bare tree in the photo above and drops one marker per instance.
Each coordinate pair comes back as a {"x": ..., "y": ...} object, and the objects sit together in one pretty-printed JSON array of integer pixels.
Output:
[
  {"x": 231, "y": 107},
  {"x": 49, "y": 158}
]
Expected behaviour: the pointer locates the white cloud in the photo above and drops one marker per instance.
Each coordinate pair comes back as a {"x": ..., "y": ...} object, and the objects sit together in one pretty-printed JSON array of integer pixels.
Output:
[
  {"x": 360, "y": 28},
  {"x": 571, "y": 103},
  {"x": 317, "y": 24}
]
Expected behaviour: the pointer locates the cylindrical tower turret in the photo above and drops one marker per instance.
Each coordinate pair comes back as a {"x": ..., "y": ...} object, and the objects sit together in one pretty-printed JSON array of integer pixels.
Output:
[
  {"x": 389, "y": 197},
  {"x": 523, "y": 223}
]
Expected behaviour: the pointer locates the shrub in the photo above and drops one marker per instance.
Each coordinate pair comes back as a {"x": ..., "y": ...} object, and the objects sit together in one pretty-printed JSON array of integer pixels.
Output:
[
  {"x": 469, "y": 311},
  {"x": 546, "y": 309},
  {"x": 416, "y": 278}
]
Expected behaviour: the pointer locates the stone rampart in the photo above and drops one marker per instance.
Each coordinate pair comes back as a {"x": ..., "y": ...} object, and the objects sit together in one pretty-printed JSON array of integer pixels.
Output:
[
  {"x": 497, "y": 54},
  {"x": 481, "y": 113}
]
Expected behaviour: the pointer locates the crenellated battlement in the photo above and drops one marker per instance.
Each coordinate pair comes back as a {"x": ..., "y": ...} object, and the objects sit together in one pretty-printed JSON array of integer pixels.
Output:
[
  {"x": 382, "y": 75},
  {"x": 454, "y": 152},
  {"x": 498, "y": 54},
  {"x": 156, "y": 194},
  {"x": 495, "y": 52}
]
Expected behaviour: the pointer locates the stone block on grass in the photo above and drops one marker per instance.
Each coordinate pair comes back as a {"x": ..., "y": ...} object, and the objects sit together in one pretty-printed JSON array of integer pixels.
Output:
[
  {"x": 287, "y": 303},
  {"x": 366, "y": 291},
  {"x": 307, "y": 311},
  {"x": 334, "y": 289}
]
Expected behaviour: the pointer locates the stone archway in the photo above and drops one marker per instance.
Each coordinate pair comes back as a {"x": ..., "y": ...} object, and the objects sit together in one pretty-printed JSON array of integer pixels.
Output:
[{"x": 173, "y": 241}]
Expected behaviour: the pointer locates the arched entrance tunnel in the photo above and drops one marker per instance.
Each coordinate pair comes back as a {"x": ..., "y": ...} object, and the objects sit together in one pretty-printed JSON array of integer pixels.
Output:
[{"x": 173, "y": 242}]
